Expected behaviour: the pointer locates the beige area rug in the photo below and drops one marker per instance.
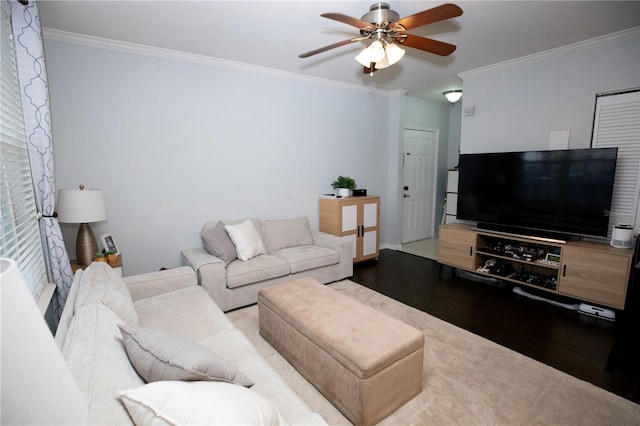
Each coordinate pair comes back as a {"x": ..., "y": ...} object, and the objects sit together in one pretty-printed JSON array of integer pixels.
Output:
[{"x": 467, "y": 380}]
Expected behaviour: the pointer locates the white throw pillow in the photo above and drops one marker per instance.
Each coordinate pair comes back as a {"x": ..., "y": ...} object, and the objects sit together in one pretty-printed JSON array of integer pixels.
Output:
[
  {"x": 199, "y": 403},
  {"x": 246, "y": 239}
]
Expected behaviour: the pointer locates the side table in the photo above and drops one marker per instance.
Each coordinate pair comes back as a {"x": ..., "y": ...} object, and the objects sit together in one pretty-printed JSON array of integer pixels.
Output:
[{"x": 116, "y": 267}]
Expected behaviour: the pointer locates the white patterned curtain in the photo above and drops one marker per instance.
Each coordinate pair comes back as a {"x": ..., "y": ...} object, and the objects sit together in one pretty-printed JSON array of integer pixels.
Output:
[{"x": 32, "y": 74}]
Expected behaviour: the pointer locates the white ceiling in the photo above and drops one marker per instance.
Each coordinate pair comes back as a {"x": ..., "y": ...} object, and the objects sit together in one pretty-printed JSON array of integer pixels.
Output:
[{"x": 273, "y": 33}]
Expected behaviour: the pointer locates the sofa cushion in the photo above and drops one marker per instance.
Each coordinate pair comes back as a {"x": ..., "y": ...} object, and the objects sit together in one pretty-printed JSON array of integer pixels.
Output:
[
  {"x": 189, "y": 312},
  {"x": 235, "y": 345},
  {"x": 159, "y": 355},
  {"x": 257, "y": 269},
  {"x": 285, "y": 233},
  {"x": 97, "y": 359},
  {"x": 101, "y": 284},
  {"x": 246, "y": 239},
  {"x": 216, "y": 241},
  {"x": 199, "y": 403},
  {"x": 69, "y": 309},
  {"x": 304, "y": 258}
]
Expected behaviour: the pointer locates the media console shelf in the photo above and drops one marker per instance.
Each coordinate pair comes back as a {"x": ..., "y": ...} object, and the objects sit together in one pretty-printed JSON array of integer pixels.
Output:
[{"x": 589, "y": 271}]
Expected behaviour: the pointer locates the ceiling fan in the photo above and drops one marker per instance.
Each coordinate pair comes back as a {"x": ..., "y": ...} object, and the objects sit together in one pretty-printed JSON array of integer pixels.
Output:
[{"x": 383, "y": 26}]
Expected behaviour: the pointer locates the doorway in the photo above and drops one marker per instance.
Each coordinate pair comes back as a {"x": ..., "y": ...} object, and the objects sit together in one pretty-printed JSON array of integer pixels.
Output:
[{"x": 419, "y": 163}]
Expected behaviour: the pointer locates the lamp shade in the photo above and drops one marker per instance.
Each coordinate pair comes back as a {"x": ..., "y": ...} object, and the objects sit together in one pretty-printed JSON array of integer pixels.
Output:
[
  {"x": 453, "y": 96},
  {"x": 37, "y": 384},
  {"x": 81, "y": 205},
  {"x": 371, "y": 54},
  {"x": 393, "y": 53}
]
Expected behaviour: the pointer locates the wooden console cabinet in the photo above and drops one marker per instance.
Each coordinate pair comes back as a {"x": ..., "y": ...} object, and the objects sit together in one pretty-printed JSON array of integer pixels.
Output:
[
  {"x": 457, "y": 247},
  {"x": 355, "y": 218},
  {"x": 593, "y": 272}
]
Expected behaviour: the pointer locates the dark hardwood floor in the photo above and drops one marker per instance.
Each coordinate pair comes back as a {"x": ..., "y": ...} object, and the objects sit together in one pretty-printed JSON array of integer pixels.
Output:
[{"x": 604, "y": 353}]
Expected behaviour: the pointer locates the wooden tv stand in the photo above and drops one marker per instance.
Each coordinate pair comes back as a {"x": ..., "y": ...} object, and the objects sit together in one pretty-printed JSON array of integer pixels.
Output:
[{"x": 593, "y": 272}]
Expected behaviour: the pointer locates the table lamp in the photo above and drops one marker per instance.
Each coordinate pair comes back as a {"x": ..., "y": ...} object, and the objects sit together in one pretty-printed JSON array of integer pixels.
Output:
[{"x": 82, "y": 206}]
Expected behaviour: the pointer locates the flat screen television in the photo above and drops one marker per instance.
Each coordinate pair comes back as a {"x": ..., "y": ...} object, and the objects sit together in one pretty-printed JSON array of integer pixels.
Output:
[{"x": 564, "y": 193}]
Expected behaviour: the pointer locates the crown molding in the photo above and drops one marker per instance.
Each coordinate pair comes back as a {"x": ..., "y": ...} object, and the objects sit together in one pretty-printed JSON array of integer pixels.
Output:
[
  {"x": 175, "y": 55},
  {"x": 563, "y": 50}
]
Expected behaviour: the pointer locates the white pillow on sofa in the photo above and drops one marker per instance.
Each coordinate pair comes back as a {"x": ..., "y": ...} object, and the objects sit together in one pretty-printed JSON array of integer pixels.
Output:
[
  {"x": 199, "y": 403},
  {"x": 246, "y": 239}
]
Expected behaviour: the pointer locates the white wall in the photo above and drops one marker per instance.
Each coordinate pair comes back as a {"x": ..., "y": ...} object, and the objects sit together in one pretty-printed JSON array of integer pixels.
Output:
[
  {"x": 175, "y": 144},
  {"x": 518, "y": 104}
]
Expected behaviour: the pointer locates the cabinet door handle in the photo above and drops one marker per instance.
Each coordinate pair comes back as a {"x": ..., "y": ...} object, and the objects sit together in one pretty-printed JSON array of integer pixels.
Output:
[
  {"x": 470, "y": 250},
  {"x": 564, "y": 270}
]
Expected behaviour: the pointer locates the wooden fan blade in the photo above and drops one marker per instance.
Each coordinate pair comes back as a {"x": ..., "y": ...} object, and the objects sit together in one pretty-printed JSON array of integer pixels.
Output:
[
  {"x": 329, "y": 47},
  {"x": 427, "y": 44},
  {"x": 436, "y": 14},
  {"x": 349, "y": 21}
]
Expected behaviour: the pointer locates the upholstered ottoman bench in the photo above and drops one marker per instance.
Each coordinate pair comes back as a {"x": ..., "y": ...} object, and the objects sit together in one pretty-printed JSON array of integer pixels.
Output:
[{"x": 366, "y": 363}]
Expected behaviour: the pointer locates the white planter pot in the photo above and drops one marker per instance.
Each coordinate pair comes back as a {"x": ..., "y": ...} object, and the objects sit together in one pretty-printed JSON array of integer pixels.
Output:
[{"x": 343, "y": 192}]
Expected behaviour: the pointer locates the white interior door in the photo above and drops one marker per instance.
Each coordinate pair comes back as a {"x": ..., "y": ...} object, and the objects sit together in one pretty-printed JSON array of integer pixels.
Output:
[{"x": 419, "y": 183}]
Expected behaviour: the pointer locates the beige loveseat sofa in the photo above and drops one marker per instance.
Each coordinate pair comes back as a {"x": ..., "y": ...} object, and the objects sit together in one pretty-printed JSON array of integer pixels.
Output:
[
  {"x": 89, "y": 336},
  {"x": 291, "y": 250}
]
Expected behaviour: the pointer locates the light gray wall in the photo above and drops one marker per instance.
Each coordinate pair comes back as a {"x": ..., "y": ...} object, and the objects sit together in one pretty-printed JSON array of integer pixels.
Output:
[
  {"x": 455, "y": 121},
  {"x": 391, "y": 175},
  {"x": 517, "y": 105},
  {"x": 175, "y": 144}
]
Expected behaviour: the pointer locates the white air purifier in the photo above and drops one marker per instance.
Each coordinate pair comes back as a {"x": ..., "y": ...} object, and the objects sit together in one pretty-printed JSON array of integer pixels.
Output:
[
  {"x": 597, "y": 311},
  {"x": 622, "y": 236}
]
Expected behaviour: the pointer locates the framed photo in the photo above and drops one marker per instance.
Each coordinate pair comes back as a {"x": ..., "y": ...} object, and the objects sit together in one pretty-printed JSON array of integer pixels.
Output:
[{"x": 109, "y": 243}]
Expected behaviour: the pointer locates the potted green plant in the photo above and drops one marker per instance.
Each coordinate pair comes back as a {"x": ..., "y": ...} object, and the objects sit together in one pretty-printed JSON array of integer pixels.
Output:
[
  {"x": 343, "y": 186},
  {"x": 112, "y": 257},
  {"x": 99, "y": 257}
]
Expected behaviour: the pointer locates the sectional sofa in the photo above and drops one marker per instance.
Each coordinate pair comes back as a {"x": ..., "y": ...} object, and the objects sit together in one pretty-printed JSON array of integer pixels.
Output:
[{"x": 147, "y": 349}]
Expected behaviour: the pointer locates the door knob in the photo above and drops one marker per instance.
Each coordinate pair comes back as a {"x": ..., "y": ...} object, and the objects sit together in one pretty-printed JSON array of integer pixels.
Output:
[{"x": 406, "y": 196}]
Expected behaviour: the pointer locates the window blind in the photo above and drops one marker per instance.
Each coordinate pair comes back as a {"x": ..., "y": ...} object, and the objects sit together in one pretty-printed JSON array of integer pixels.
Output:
[
  {"x": 19, "y": 230},
  {"x": 617, "y": 124}
]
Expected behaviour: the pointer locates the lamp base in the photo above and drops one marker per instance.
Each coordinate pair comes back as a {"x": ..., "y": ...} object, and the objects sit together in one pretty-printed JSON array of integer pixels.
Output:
[{"x": 86, "y": 245}]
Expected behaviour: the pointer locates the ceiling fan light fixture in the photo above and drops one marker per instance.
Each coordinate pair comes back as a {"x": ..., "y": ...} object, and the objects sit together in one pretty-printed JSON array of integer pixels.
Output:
[
  {"x": 453, "y": 96},
  {"x": 373, "y": 53},
  {"x": 386, "y": 30},
  {"x": 393, "y": 53}
]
